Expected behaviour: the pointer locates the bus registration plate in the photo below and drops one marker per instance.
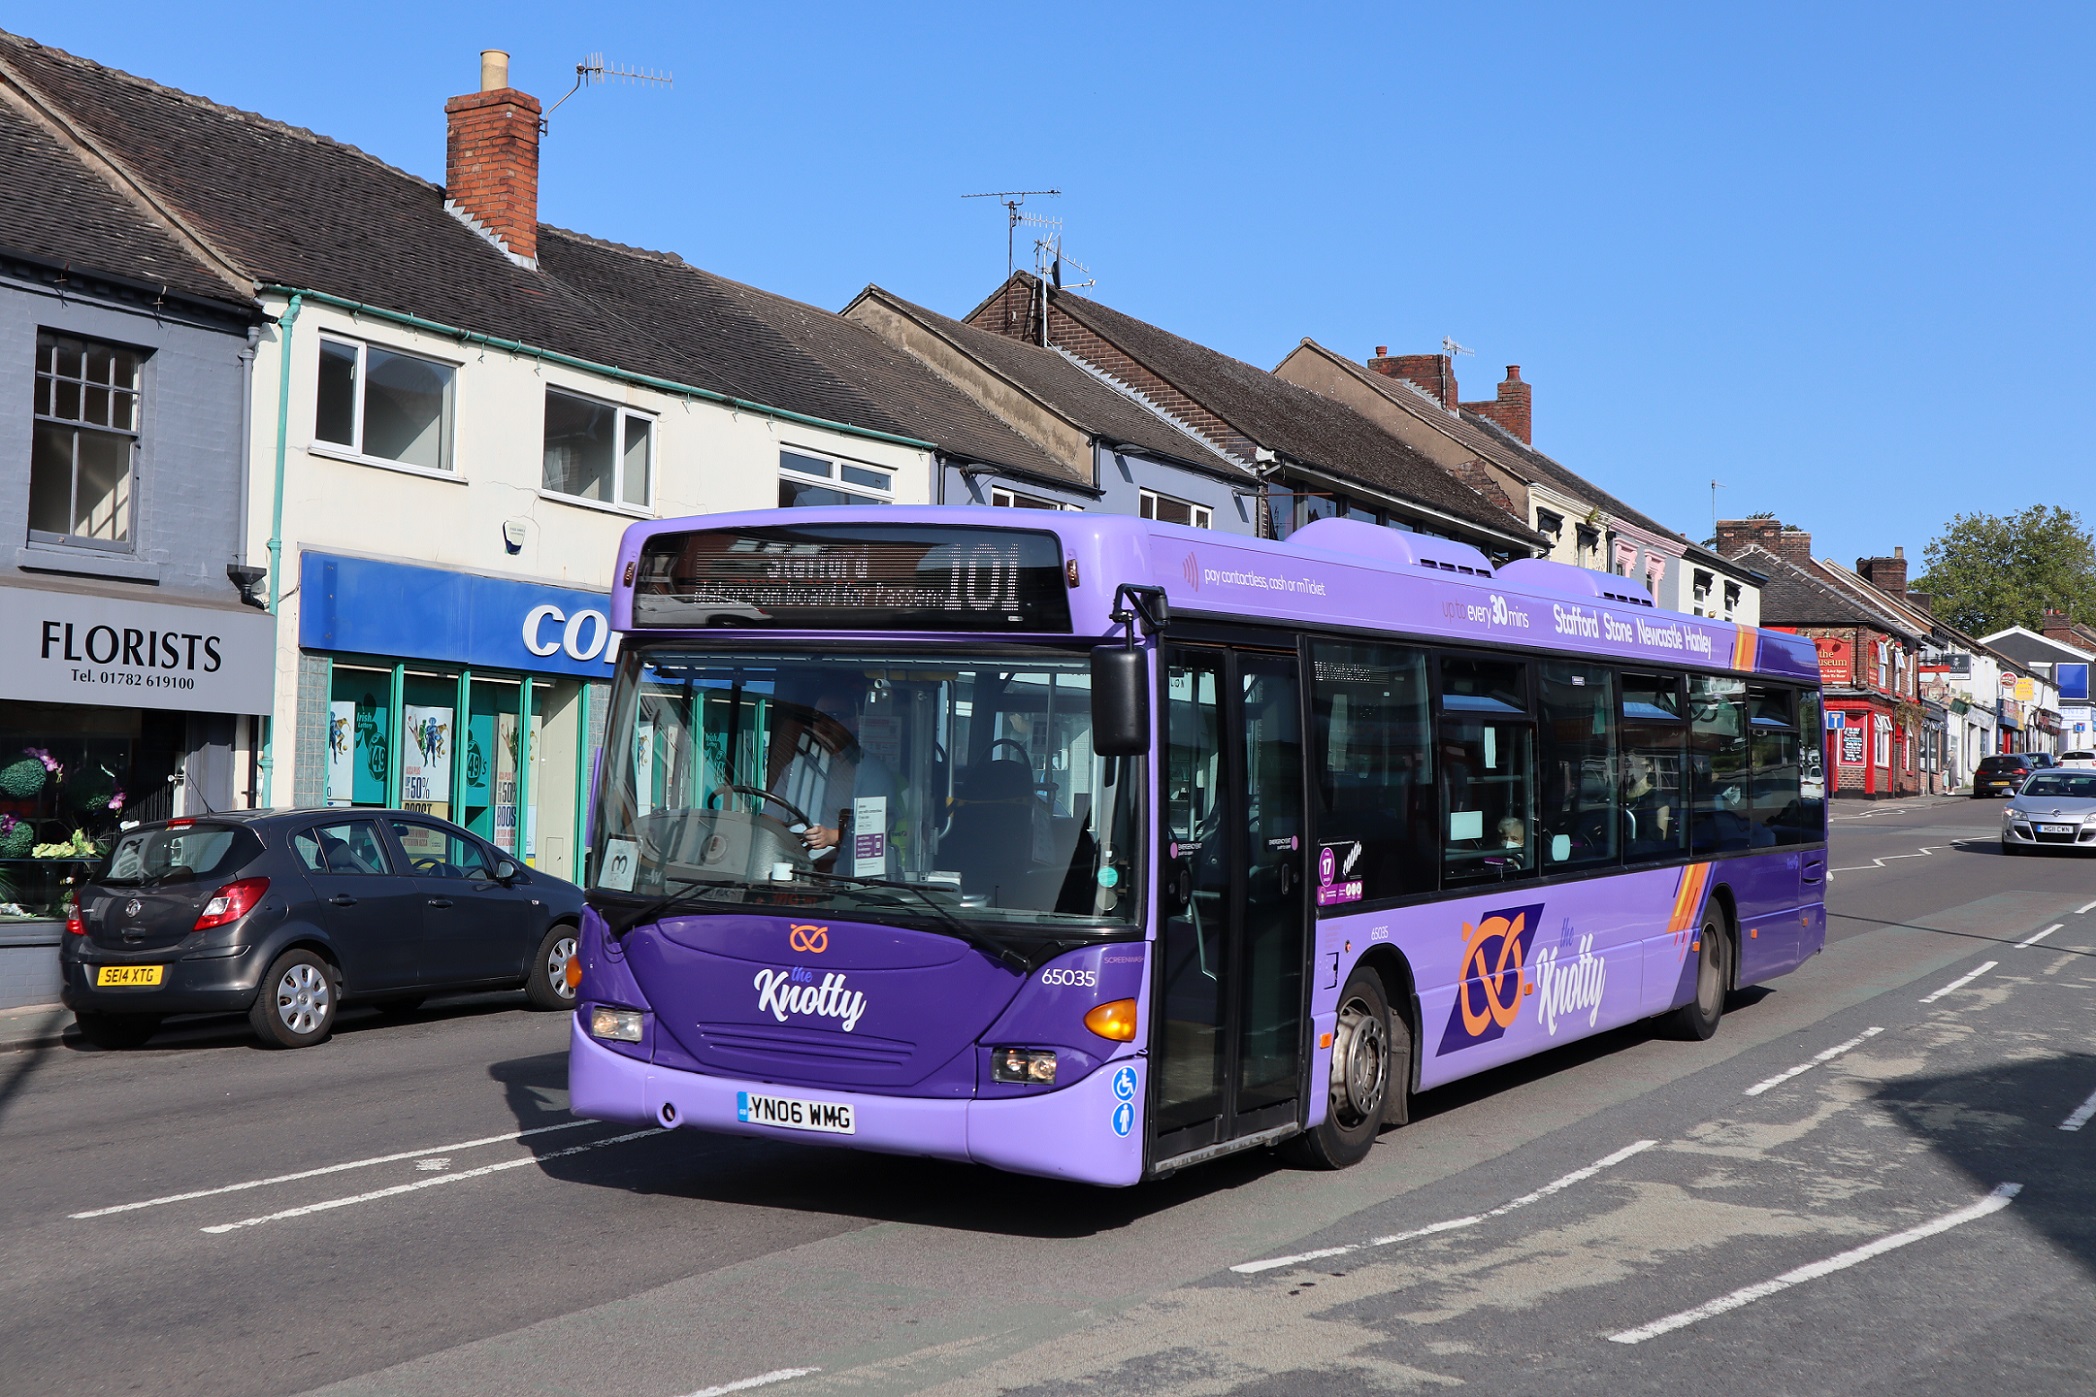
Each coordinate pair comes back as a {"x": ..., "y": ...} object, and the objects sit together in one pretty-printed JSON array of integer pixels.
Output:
[{"x": 791, "y": 1113}]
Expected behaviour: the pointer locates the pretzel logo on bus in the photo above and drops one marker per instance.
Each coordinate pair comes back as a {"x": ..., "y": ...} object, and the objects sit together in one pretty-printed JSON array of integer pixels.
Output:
[
  {"x": 808, "y": 939},
  {"x": 1494, "y": 976}
]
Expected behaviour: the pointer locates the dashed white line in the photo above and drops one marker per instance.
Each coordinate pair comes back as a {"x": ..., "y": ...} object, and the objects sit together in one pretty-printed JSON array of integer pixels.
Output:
[
  {"x": 745, "y": 1384},
  {"x": 2084, "y": 908},
  {"x": 1273, "y": 1263},
  {"x": 1960, "y": 983},
  {"x": 2082, "y": 1115},
  {"x": 431, "y": 1182},
  {"x": 329, "y": 1169},
  {"x": 2040, "y": 936},
  {"x": 1746, "y": 1295},
  {"x": 1829, "y": 1055}
]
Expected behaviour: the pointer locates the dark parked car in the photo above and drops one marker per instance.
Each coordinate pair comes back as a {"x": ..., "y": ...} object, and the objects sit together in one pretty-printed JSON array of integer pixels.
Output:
[
  {"x": 285, "y": 915},
  {"x": 2003, "y": 774}
]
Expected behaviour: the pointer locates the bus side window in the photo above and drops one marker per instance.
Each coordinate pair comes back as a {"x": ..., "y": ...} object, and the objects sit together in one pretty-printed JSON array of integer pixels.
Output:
[
  {"x": 1373, "y": 772},
  {"x": 1779, "y": 816},
  {"x": 1487, "y": 757},
  {"x": 1719, "y": 761},
  {"x": 1653, "y": 798},
  {"x": 1580, "y": 825}
]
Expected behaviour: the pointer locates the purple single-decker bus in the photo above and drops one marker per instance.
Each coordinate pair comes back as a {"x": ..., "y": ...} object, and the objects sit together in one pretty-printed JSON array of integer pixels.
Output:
[{"x": 1093, "y": 847}]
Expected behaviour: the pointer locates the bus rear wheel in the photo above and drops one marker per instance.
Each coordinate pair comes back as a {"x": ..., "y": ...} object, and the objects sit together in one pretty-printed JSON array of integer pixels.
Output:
[
  {"x": 1371, "y": 1058},
  {"x": 1698, "y": 1019}
]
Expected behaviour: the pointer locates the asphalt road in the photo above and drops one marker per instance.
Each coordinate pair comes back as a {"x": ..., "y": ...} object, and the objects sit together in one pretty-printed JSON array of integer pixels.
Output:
[{"x": 1862, "y": 1184}]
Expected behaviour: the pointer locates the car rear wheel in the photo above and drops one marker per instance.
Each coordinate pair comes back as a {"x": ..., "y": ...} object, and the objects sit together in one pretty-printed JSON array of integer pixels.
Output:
[
  {"x": 115, "y": 1032},
  {"x": 548, "y": 987},
  {"x": 296, "y": 1005}
]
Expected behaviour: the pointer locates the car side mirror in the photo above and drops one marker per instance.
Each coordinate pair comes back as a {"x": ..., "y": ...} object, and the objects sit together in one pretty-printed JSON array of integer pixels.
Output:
[
  {"x": 1120, "y": 702},
  {"x": 506, "y": 872}
]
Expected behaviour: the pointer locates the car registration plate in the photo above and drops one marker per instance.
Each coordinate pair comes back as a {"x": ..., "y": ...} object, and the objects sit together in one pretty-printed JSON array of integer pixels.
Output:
[
  {"x": 792, "y": 1113},
  {"x": 111, "y": 976},
  {"x": 2055, "y": 829}
]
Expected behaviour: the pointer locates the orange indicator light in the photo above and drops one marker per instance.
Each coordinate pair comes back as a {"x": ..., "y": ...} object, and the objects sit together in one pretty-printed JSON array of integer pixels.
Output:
[{"x": 1114, "y": 1019}]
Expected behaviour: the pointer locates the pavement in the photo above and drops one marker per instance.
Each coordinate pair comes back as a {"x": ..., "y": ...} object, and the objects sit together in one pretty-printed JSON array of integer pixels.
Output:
[{"x": 1872, "y": 1178}]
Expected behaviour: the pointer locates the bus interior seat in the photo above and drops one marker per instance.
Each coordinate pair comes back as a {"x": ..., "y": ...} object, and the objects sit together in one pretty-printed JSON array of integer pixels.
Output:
[{"x": 998, "y": 819}]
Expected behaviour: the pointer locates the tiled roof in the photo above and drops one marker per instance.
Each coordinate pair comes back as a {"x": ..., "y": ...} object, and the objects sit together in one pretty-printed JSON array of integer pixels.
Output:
[
  {"x": 1070, "y": 389},
  {"x": 1307, "y": 427},
  {"x": 783, "y": 352},
  {"x": 1797, "y": 596},
  {"x": 57, "y": 208},
  {"x": 1496, "y": 444}
]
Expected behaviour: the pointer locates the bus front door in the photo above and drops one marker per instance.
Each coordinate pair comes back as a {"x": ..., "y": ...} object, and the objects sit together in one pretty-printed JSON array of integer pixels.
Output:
[{"x": 1227, "y": 1046}]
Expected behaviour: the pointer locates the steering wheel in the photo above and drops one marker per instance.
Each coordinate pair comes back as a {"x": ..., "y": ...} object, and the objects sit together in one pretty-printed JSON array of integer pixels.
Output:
[
  {"x": 799, "y": 816},
  {"x": 435, "y": 868},
  {"x": 1015, "y": 744}
]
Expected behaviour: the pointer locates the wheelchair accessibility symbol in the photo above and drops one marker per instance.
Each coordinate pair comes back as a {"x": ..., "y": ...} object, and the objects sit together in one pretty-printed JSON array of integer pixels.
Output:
[
  {"x": 1124, "y": 1084},
  {"x": 1124, "y": 1118}
]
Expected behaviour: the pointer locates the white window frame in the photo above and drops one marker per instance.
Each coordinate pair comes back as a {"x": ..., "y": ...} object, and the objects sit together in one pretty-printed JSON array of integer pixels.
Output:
[
  {"x": 354, "y": 451},
  {"x": 131, "y": 437},
  {"x": 838, "y": 465},
  {"x": 1201, "y": 515},
  {"x": 1003, "y": 498},
  {"x": 618, "y": 502}
]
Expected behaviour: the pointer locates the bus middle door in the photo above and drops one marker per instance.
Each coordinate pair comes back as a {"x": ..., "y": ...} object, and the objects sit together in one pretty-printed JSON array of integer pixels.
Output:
[{"x": 1228, "y": 1046}]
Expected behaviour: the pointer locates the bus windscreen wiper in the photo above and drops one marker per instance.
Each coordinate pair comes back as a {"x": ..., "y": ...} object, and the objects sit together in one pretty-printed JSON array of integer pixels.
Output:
[
  {"x": 622, "y": 914},
  {"x": 974, "y": 935}
]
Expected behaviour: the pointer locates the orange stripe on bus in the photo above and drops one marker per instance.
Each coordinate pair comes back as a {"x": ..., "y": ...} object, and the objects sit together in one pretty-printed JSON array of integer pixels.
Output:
[
  {"x": 1688, "y": 901},
  {"x": 1743, "y": 648}
]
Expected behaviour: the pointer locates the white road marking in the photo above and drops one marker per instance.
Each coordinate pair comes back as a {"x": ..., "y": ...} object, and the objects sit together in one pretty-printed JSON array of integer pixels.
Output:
[
  {"x": 2082, "y": 1115},
  {"x": 745, "y": 1384},
  {"x": 430, "y": 1182},
  {"x": 1880, "y": 863},
  {"x": 2083, "y": 908},
  {"x": 328, "y": 1169},
  {"x": 431, "y": 1166},
  {"x": 1747, "y": 1295},
  {"x": 1274, "y": 1263},
  {"x": 2034, "y": 940},
  {"x": 1829, "y": 1055},
  {"x": 1960, "y": 983}
]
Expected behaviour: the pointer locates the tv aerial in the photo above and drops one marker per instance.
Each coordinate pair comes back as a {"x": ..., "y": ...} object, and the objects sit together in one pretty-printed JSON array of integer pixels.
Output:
[
  {"x": 593, "y": 70},
  {"x": 1012, "y": 199},
  {"x": 1452, "y": 349}
]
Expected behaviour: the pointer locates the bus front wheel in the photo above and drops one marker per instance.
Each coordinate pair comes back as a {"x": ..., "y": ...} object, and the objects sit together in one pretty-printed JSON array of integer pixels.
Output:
[{"x": 1371, "y": 1057}]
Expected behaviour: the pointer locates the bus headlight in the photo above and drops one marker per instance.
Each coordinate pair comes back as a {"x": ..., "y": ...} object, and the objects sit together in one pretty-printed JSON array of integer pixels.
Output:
[
  {"x": 1033, "y": 1067},
  {"x": 619, "y": 1025},
  {"x": 1114, "y": 1019}
]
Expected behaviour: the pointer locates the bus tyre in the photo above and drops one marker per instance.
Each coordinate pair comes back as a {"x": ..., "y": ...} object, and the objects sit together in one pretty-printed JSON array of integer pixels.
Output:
[
  {"x": 1698, "y": 1019},
  {"x": 1371, "y": 1057},
  {"x": 295, "y": 1007}
]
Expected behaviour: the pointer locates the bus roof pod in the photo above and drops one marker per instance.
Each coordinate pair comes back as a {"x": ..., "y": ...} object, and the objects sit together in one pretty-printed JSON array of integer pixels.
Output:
[
  {"x": 1580, "y": 582},
  {"x": 1392, "y": 546}
]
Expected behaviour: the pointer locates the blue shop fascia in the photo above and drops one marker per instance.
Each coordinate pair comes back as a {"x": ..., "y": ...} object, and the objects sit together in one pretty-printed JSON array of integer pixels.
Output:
[{"x": 477, "y": 699}]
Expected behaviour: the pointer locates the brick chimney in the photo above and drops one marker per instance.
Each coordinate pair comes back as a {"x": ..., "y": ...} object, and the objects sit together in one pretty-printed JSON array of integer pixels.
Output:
[
  {"x": 1772, "y": 535},
  {"x": 1434, "y": 373},
  {"x": 1512, "y": 408},
  {"x": 491, "y": 158},
  {"x": 1888, "y": 575}
]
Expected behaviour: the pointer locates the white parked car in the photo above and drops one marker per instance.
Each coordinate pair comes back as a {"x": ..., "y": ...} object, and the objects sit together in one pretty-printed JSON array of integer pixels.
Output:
[{"x": 2081, "y": 759}]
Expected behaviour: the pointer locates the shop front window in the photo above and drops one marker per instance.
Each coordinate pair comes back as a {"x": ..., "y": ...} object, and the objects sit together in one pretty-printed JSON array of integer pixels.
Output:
[
  {"x": 359, "y": 736},
  {"x": 71, "y": 776}
]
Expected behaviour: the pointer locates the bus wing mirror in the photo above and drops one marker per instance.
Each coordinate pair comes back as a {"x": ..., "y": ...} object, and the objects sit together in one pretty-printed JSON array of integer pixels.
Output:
[{"x": 1120, "y": 702}]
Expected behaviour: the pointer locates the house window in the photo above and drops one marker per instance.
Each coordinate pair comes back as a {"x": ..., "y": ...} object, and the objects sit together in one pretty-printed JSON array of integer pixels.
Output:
[
  {"x": 806, "y": 481},
  {"x": 1732, "y": 596},
  {"x": 1012, "y": 499},
  {"x": 1549, "y": 523},
  {"x": 1625, "y": 559},
  {"x": 1884, "y": 666},
  {"x": 1655, "y": 569},
  {"x": 1701, "y": 588},
  {"x": 1166, "y": 510},
  {"x": 595, "y": 451},
  {"x": 1881, "y": 746},
  {"x": 1587, "y": 542},
  {"x": 83, "y": 442},
  {"x": 384, "y": 405}
]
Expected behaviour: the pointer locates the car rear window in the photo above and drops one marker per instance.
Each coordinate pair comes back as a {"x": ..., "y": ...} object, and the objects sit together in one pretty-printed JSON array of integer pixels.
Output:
[
  {"x": 183, "y": 851},
  {"x": 2000, "y": 763}
]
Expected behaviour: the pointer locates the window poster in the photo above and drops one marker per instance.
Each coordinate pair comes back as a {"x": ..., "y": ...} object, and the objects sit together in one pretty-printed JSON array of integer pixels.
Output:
[
  {"x": 341, "y": 752},
  {"x": 1852, "y": 746},
  {"x": 425, "y": 759}
]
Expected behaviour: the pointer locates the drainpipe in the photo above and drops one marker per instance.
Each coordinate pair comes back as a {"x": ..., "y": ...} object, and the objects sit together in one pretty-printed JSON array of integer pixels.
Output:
[{"x": 276, "y": 532}]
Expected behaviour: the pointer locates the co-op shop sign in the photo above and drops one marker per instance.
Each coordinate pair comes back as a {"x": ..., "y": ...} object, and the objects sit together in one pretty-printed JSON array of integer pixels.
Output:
[{"x": 583, "y": 634}]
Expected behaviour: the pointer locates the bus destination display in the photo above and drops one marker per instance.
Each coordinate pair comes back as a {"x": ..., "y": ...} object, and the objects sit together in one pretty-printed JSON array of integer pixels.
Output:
[{"x": 906, "y": 577}]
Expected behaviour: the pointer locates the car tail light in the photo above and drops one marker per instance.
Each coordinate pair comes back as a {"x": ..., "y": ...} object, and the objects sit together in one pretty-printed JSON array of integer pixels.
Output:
[
  {"x": 1114, "y": 1019},
  {"x": 76, "y": 925},
  {"x": 231, "y": 902}
]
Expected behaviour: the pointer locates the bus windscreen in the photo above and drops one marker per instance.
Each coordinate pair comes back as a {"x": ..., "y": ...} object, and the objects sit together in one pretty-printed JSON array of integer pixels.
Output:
[{"x": 901, "y": 577}]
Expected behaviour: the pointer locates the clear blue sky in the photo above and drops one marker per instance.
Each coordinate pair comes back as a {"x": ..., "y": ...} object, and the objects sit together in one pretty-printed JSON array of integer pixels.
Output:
[{"x": 1835, "y": 257}]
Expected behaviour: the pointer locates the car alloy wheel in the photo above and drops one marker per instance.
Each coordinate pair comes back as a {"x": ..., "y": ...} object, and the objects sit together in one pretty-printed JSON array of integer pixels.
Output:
[
  {"x": 557, "y": 967},
  {"x": 303, "y": 998}
]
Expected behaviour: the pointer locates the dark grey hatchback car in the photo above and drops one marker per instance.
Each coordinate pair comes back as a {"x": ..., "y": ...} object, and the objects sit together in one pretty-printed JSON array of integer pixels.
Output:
[{"x": 286, "y": 915}]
